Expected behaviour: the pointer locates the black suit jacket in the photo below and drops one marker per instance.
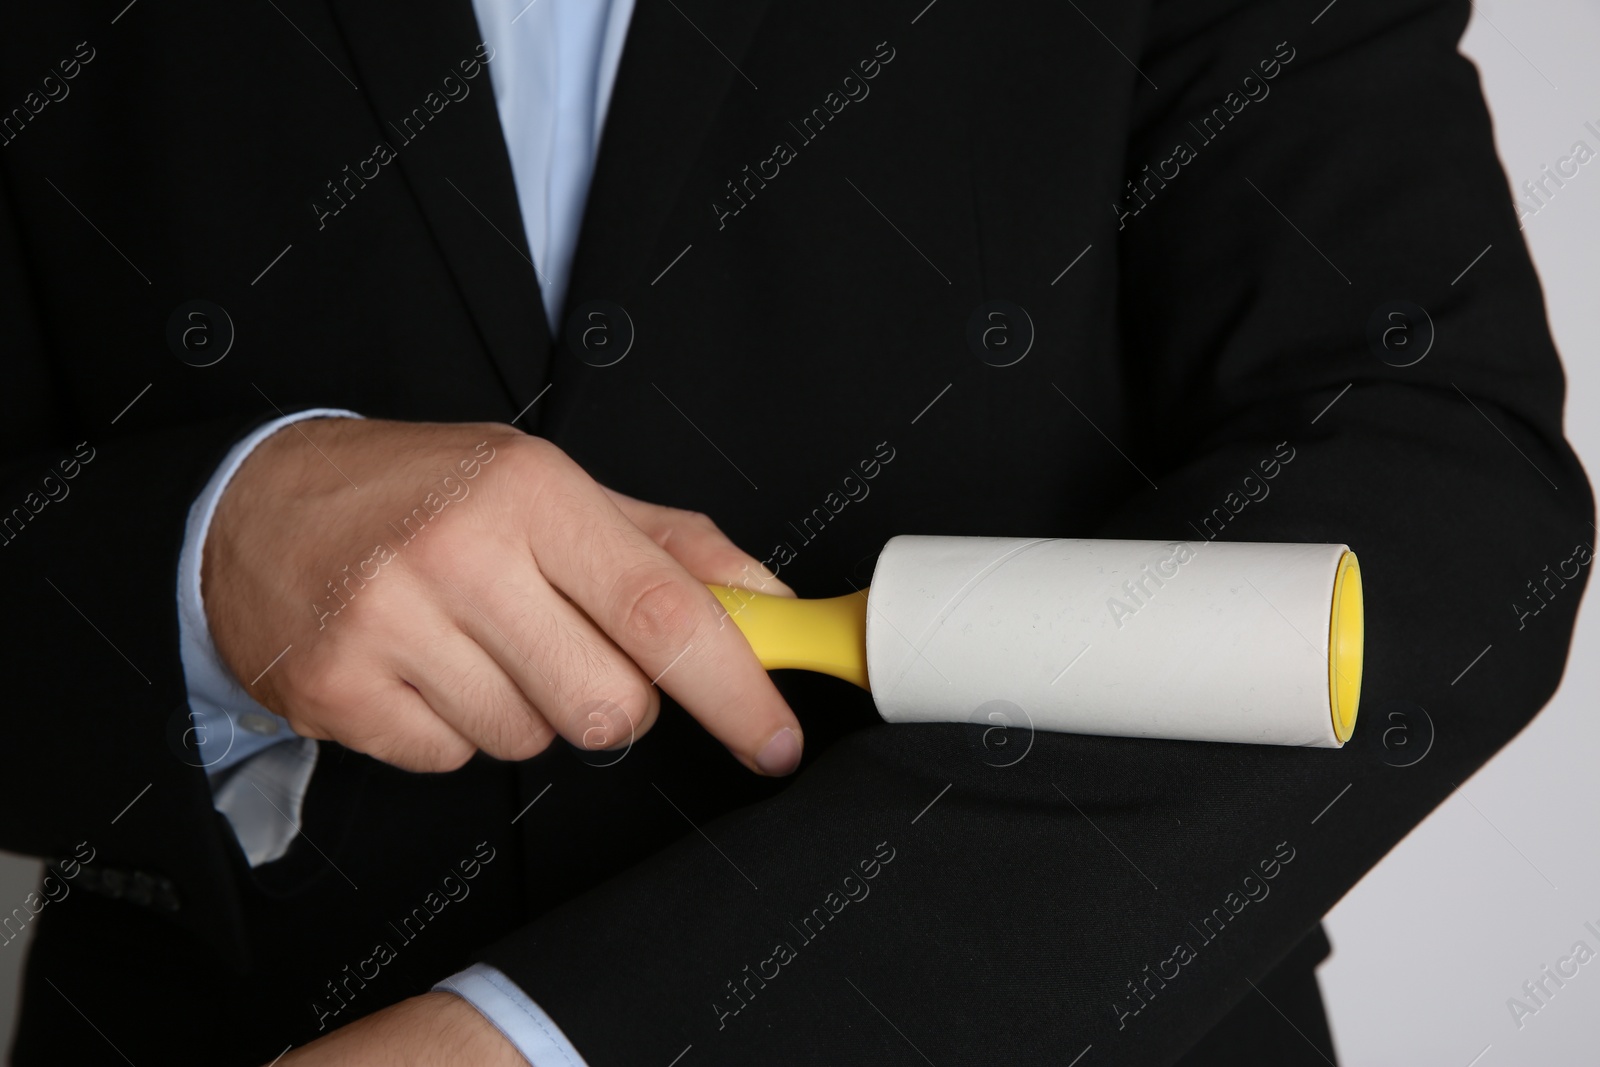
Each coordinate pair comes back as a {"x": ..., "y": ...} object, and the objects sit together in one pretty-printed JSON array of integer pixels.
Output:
[{"x": 1195, "y": 221}]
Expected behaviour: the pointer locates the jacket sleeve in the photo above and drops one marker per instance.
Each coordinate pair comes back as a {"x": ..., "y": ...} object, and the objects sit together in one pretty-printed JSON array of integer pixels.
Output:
[
  {"x": 94, "y": 505},
  {"x": 911, "y": 894}
]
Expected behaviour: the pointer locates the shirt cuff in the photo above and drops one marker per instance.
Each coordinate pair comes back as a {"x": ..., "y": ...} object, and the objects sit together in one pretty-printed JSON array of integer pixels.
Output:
[
  {"x": 262, "y": 796},
  {"x": 225, "y": 726},
  {"x": 258, "y": 783},
  {"x": 517, "y": 1017}
]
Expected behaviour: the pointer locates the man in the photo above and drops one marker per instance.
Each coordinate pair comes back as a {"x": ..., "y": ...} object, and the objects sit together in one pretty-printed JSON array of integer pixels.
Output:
[{"x": 287, "y": 700}]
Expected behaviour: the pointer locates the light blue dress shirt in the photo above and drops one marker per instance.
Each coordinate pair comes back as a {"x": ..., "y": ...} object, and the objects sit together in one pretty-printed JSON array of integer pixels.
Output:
[{"x": 553, "y": 66}]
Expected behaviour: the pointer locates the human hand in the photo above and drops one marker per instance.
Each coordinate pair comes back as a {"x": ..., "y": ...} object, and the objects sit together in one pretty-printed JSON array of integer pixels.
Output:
[{"x": 420, "y": 591}]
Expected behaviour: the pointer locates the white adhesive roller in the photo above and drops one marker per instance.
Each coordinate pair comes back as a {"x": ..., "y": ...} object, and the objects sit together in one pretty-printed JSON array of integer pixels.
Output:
[{"x": 1207, "y": 641}]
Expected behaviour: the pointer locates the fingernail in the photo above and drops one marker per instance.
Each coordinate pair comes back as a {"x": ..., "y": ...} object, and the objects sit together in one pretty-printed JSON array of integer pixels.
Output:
[{"x": 781, "y": 754}]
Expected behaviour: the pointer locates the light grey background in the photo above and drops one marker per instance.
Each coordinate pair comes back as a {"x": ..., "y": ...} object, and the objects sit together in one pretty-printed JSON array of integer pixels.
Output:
[
  {"x": 1499, "y": 881},
  {"x": 18, "y": 878}
]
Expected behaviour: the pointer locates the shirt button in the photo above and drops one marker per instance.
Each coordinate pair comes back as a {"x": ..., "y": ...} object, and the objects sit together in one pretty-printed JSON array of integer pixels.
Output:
[{"x": 257, "y": 723}]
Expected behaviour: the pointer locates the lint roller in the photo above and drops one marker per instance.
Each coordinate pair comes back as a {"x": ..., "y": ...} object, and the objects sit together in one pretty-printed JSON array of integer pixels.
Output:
[{"x": 1206, "y": 641}]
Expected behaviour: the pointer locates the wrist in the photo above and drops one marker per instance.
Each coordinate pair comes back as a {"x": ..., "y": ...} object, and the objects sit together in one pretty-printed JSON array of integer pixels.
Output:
[{"x": 431, "y": 1030}]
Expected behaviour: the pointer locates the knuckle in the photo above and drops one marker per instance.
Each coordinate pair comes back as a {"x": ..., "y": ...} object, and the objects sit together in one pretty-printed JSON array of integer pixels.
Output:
[
  {"x": 678, "y": 524},
  {"x": 637, "y": 701},
  {"x": 516, "y": 459},
  {"x": 375, "y": 604},
  {"x": 437, "y": 550},
  {"x": 610, "y": 721},
  {"x": 495, "y": 432},
  {"x": 324, "y": 682},
  {"x": 450, "y": 755},
  {"x": 517, "y": 733},
  {"x": 530, "y": 744},
  {"x": 704, "y": 521},
  {"x": 542, "y": 480},
  {"x": 533, "y": 455},
  {"x": 435, "y": 754},
  {"x": 659, "y": 611},
  {"x": 627, "y": 711}
]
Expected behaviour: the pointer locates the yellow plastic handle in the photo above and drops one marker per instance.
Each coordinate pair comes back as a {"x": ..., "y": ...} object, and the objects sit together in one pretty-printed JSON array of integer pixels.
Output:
[{"x": 828, "y": 636}]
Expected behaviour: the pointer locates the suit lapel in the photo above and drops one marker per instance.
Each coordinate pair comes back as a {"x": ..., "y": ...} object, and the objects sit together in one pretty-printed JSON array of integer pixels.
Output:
[
  {"x": 455, "y": 163},
  {"x": 681, "y": 59}
]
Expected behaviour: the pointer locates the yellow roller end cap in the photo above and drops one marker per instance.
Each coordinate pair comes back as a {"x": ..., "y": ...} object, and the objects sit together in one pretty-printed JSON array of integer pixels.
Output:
[{"x": 1346, "y": 641}]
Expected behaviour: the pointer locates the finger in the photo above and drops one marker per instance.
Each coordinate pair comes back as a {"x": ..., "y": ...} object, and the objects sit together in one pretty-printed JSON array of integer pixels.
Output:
[
  {"x": 587, "y": 688},
  {"x": 467, "y": 689},
  {"x": 695, "y": 541},
  {"x": 396, "y": 725},
  {"x": 663, "y": 617}
]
